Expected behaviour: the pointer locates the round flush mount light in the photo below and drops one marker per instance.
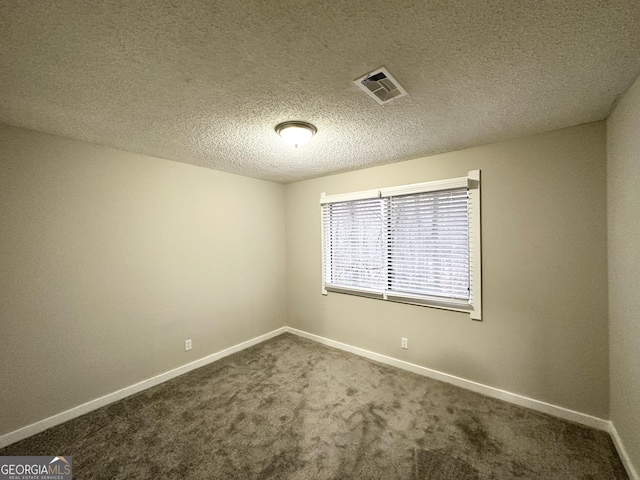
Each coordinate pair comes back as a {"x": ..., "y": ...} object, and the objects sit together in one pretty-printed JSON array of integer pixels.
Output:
[{"x": 296, "y": 133}]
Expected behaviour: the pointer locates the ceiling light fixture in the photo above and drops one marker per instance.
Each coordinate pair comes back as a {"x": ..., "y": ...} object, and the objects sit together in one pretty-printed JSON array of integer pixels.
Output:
[{"x": 296, "y": 133}]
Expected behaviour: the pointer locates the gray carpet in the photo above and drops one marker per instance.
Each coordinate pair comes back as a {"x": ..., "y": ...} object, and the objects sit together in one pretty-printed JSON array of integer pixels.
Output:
[{"x": 290, "y": 408}]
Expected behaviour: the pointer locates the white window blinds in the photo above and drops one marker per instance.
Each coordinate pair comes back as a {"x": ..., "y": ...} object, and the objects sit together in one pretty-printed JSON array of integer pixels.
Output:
[
  {"x": 356, "y": 243},
  {"x": 414, "y": 243},
  {"x": 429, "y": 244}
]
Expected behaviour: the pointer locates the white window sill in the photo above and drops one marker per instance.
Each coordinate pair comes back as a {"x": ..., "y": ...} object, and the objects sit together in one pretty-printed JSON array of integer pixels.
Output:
[{"x": 423, "y": 301}]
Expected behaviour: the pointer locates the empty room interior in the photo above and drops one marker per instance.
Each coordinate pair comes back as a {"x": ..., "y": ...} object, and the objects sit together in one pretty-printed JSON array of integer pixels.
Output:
[{"x": 321, "y": 240}]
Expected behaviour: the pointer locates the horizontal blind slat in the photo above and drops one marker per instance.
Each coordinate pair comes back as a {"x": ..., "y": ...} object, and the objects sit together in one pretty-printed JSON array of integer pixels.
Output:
[
  {"x": 416, "y": 244},
  {"x": 429, "y": 244},
  {"x": 355, "y": 249}
]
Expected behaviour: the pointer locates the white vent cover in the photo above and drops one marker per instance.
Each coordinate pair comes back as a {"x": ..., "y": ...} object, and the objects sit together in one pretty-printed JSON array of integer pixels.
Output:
[{"x": 381, "y": 86}]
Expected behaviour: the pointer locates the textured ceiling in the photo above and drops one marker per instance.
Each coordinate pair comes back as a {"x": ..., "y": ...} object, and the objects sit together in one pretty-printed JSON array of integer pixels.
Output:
[{"x": 205, "y": 82}]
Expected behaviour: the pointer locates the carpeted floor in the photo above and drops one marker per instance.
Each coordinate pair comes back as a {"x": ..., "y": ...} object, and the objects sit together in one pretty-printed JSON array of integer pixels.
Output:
[{"x": 290, "y": 408}]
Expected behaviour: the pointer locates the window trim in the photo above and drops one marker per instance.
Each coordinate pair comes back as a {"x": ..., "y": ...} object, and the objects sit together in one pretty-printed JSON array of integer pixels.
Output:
[{"x": 472, "y": 181}]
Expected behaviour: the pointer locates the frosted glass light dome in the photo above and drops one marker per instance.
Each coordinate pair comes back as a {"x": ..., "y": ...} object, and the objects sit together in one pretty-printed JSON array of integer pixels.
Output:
[{"x": 296, "y": 133}]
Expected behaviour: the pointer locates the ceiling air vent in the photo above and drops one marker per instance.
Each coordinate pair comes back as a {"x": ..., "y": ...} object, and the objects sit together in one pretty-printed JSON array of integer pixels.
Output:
[{"x": 381, "y": 86}]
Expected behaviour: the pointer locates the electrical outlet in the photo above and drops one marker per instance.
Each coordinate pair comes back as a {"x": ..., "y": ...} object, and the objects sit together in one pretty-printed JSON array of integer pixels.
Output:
[
  {"x": 187, "y": 345},
  {"x": 404, "y": 343}
]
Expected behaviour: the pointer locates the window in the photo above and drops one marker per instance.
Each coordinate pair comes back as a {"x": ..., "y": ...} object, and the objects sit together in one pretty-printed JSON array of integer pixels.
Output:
[{"x": 416, "y": 244}]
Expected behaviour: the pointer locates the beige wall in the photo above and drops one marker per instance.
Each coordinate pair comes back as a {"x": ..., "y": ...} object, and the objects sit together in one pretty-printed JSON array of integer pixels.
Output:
[
  {"x": 109, "y": 260},
  {"x": 544, "y": 333},
  {"x": 623, "y": 173}
]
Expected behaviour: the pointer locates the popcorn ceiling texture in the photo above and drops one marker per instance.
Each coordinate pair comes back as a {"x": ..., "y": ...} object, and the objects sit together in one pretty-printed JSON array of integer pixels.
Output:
[{"x": 205, "y": 82}]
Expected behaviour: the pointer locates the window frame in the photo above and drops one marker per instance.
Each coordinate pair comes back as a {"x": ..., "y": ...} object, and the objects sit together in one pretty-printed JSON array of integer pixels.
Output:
[{"x": 474, "y": 305}]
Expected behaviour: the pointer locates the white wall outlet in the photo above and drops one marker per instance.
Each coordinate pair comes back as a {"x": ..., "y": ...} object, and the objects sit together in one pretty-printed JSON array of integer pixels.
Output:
[
  {"x": 187, "y": 345},
  {"x": 404, "y": 343}
]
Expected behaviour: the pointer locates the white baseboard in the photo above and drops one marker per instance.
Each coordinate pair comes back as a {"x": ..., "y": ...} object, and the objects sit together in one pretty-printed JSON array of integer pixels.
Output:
[
  {"x": 514, "y": 398},
  {"x": 74, "y": 412},
  {"x": 550, "y": 409},
  {"x": 622, "y": 452}
]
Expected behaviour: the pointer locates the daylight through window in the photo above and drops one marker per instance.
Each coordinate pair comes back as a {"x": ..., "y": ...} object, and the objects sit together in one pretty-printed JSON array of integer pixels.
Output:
[{"x": 416, "y": 243}]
